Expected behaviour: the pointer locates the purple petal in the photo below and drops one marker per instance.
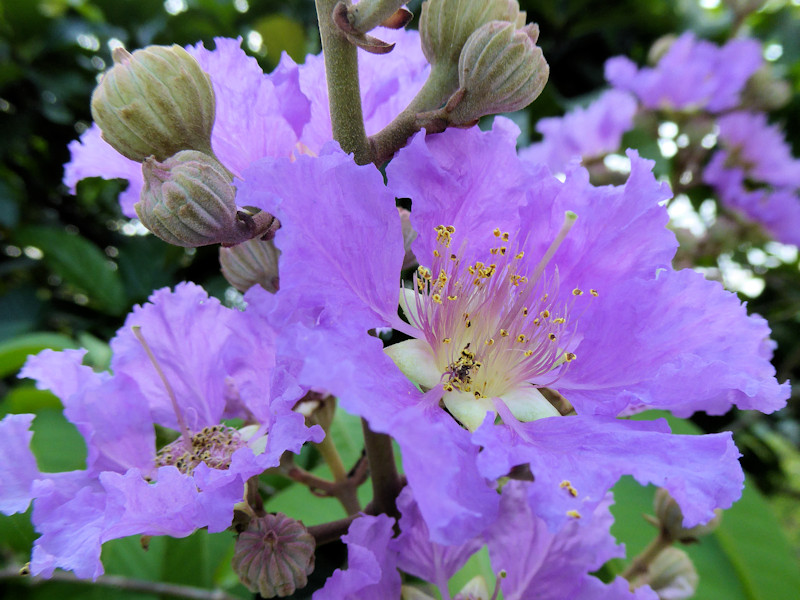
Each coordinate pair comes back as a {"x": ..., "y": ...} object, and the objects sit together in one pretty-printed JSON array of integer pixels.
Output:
[
  {"x": 467, "y": 178},
  {"x": 250, "y": 122},
  {"x": 583, "y": 132},
  {"x": 418, "y": 555},
  {"x": 18, "y": 469},
  {"x": 186, "y": 331},
  {"x": 544, "y": 564},
  {"x": 588, "y": 455},
  {"x": 371, "y": 563},
  {"x": 678, "y": 342},
  {"x": 91, "y": 156},
  {"x": 341, "y": 240}
]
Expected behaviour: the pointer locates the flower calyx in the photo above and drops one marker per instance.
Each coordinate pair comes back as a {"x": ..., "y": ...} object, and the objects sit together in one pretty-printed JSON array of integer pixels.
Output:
[
  {"x": 669, "y": 518},
  {"x": 155, "y": 102},
  {"x": 253, "y": 262}
]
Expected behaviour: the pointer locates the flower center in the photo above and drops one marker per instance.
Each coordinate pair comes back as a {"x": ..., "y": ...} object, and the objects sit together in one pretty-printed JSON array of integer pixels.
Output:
[
  {"x": 494, "y": 323},
  {"x": 213, "y": 446}
]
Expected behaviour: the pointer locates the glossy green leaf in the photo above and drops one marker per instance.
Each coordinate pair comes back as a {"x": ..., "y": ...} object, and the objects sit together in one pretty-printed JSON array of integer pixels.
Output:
[
  {"x": 14, "y": 352},
  {"x": 79, "y": 263},
  {"x": 746, "y": 558}
]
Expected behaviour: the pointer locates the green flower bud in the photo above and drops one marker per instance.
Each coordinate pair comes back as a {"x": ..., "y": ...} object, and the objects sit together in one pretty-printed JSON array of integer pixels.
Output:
[
  {"x": 670, "y": 519},
  {"x": 188, "y": 200},
  {"x": 254, "y": 262},
  {"x": 274, "y": 556},
  {"x": 445, "y": 25},
  {"x": 155, "y": 102},
  {"x": 672, "y": 575},
  {"x": 501, "y": 69}
]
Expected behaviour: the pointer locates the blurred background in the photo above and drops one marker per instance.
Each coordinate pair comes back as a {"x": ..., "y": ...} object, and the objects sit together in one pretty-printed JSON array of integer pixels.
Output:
[{"x": 72, "y": 267}]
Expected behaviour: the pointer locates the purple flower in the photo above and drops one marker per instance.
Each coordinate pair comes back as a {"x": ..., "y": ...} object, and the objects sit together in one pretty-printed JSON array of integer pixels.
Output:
[
  {"x": 211, "y": 364},
  {"x": 692, "y": 75},
  {"x": 552, "y": 566},
  {"x": 587, "y": 132},
  {"x": 516, "y": 294},
  {"x": 755, "y": 174},
  {"x": 371, "y": 570}
]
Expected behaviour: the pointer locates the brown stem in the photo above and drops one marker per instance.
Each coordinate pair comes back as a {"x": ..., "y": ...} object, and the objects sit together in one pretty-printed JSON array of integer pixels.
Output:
[
  {"x": 329, "y": 532},
  {"x": 386, "y": 483},
  {"x": 171, "y": 590},
  {"x": 640, "y": 565}
]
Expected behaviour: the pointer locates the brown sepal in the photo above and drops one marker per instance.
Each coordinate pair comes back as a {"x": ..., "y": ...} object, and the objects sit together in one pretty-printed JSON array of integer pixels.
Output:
[
  {"x": 366, "y": 42},
  {"x": 399, "y": 19}
]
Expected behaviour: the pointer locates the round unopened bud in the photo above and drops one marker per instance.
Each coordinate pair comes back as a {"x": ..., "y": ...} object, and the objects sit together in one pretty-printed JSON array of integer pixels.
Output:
[
  {"x": 672, "y": 575},
  {"x": 670, "y": 519},
  {"x": 254, "y": 262},
  {"x": 155, "y": 102},
  {"x": 501, "y": 70},
  {"x": 274, "y": 556},
  {"x": 188, "y": 200},
  {"x": 445, "y": 25}
]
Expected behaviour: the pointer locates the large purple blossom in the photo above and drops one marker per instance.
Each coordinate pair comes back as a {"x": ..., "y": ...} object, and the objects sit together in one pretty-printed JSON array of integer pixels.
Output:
[
  {"x": 755, "y": 174},
  {"x": 692, "y": 75},
  {"x": 515, "y": 294},
  {"x": 211, "y": 365},
  {"x": 585, "y": 133}
]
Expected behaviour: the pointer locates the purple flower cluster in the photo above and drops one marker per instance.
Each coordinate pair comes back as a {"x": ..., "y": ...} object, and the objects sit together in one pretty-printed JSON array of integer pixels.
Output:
[
  {"x": 692, "y": 75},
  {"x": 755, "y": 174},
  {"x": 532, "y": 294}
]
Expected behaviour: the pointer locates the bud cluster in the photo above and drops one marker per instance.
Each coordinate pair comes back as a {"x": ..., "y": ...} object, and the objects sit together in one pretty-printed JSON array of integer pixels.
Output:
[{"x": 483, "y": 56}]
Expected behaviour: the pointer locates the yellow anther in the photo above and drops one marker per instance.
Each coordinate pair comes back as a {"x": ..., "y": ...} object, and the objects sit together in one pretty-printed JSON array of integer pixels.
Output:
[
  {"x": 574, "y": 514},
  {"x": 496, "y": 232},
  {"x": 552, "y": 337},
  {"x": 471, "y": 270},
  {"x": 468, "y": 324},
  {"x": 503, "y": 250},
  {"x": 594, "y": 293},
  {"x": 446, "y": 340},
  {"x": 493, "y": 250},
  {"x": 436, "y": 298},
  {"x": 490, "y": 342},
  {"x": 477, "y": 395},
  {"x": 451, "y": 229},
  {"x": 536, "y": 321},
  {"x": 504, "y": 237},
  {"x": 525, "y": 311},
  {"x": 436, "y": 253},
  {"x": 453, "y": 257},
  {"x": 448, "y": 387},
  {"x": 521, "y": 338},
  {"x": 559, "y": 320},
  {"x": 577, "y": 292},
  {"x": 545, "y": 313},
  {"x": 503, "y": 333},
  {"x": 452, "y": 297},
  {"x": 569, "y": 487},
  {"x": 519, "y": 255},
  {"x": 528, "y": 352},
  {"x": 570, "y": 356}
]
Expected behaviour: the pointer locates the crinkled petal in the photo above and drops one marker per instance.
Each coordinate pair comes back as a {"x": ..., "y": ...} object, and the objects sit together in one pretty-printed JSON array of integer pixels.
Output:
[
  {"x": 186, "y": 331},
  {"x": 341, "y": 240},
  {"x": 678, "y": 342},
  {"x": 94, "y": 403},
  {"x": 91, "y": 156},
  {"x": 250, "y": 121},
  {"x": 587, "y": 455},
  {"x": 467, "y": 178},
  {"x": 418, "y": 555},
  {"x": 18, "y": 469},
  {"x": 549, "y": 565},
  {"x": 69, "y": 512},
  {"x": 371, "y": 563}
]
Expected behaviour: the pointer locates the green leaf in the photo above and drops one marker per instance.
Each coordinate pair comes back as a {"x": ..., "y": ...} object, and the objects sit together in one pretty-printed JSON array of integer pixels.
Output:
[
  {"x": 14, "y": 352},
  {"x": 56, "y": 443},
  {"x": 78, "y": 262},
  {"x": 25, "y": 398},
  {"x": 282, "y": 34},
  {"x": 746, "y": 558}
]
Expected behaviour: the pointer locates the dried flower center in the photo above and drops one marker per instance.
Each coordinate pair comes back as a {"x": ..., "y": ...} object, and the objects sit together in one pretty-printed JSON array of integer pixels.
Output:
[
  {"x": 493, "y": 323},
  {"x": 213, "y": 446}
]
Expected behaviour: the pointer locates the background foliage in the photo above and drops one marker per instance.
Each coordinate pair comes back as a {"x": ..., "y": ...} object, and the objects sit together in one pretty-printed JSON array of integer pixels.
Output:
[{"x": 72, "y": 266}]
